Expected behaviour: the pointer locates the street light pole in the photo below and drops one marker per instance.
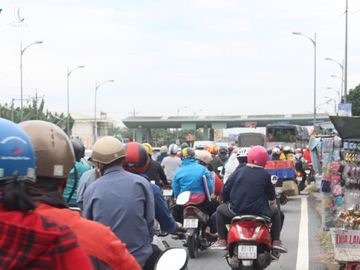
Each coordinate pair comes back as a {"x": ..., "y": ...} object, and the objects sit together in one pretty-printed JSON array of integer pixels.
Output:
[
  {"x": 346, "y": 50},
  {"x": 68, "y": 98},
  {"x": 313, "y": 41},
  {"x": 342, "y": 73},
  {"x": 22, "y": 50},
  {"x": 97, "y": 86},
  {"x": 337, "y": 92}
]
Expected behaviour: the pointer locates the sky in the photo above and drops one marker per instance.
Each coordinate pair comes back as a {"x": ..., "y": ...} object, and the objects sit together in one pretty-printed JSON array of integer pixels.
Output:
[{"x": 167, "y": 57}]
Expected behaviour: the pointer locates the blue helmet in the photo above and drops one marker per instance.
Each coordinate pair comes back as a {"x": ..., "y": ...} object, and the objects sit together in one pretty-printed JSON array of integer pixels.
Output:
[{"x": 17, "y": 155}]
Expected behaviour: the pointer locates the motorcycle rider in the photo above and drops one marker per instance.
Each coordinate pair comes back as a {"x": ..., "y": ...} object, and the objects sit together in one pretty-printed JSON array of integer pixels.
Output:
[
  {"x": 216, "y": 162},
  {"x": 287, "y": 154},
  {"x": 72, "y": 184},
  {"x": 137, "y": 161},
  {"x": 223, "y": 154},
  {"x": 275, "y": 153},
  {"x": 248, "y": 191},
  {"x": 189, "y": 177},
  {"x": 163, "y": 154},
  {"x": 171, "y": 163},
  {"x": 103, "y": 247},
  {"x": 29, "y": 240},
  {"x": 123, "y": 201},
  {"x": 154, "y": 171}
]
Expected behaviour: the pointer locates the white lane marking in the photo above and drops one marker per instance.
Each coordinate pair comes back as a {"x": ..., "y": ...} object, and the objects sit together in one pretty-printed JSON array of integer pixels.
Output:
[{"x": 302, "y": 260}]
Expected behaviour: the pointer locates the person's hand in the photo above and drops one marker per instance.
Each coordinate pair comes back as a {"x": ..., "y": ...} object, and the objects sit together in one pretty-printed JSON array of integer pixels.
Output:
[{"x": 180, "y": 226}]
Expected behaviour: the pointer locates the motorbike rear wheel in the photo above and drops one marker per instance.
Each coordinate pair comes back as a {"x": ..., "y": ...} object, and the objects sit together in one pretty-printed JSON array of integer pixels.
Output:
[{"x": 193, "y": 244}]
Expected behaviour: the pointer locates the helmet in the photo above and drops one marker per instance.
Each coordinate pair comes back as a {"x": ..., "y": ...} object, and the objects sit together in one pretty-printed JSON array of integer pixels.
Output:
[
  {"x": 276, "y": 151},
  {"x": 257, "y": 155},
  {"x": 54, "y": 153},
  {"x": 173, "y": 149},
  {"x": 187, "y": 152},
  {"x": 204, "y": 156},
  {"x": 213, "y": 149},
  {"x": 243, "y": 152},
  {"x": 298, "y": 151},
  {"x": 148, "y": 148},
  {"x": 287, "y": 149},
  {"x": 107, "y": 149},
  {"x": 223, "y": 150},
  {"x": 163, "y": 149},
  {"x": 79, "y": 149},
  {"x": 17, "y": 155},
  {"x": 137, "y": 159},
  {"x": 184, "y": 145}
]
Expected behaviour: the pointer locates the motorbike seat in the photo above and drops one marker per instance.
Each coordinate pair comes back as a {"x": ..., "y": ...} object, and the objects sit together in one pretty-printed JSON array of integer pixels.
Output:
[{"x": 263, "y": 219}]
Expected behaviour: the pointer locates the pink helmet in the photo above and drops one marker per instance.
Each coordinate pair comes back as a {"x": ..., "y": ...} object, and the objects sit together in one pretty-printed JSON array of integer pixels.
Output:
[{"x": 258, "y": 155}]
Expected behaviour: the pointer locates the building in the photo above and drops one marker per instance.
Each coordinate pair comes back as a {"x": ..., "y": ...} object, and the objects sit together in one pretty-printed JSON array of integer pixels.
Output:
[{"x": 83, "y": 128}]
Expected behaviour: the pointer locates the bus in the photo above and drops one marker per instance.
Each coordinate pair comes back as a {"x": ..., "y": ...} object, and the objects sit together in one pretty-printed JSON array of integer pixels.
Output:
[
  {"x": 294, "y": 136},
  {"x": 249, "y": 139}
]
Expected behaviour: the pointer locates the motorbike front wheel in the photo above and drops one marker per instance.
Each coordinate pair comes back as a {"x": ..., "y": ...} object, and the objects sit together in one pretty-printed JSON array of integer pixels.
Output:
[{"x": 193, "y": 244}]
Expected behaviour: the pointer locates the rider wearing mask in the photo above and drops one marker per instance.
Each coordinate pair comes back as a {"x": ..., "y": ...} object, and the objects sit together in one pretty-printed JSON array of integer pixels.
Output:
[
  {"x": 55, "y": 158},
  {"x": 72, "y": 184},
  {"x": 171, "y": 163},
  {"x": 123, "y": 201},
  {"x": 189, "y": 177},
  {"x": 29, "y": 240},
  {"x": 248, "y": 191},
  {"x": 154, "y": 171},
  {"x": 137, "y": 161}
]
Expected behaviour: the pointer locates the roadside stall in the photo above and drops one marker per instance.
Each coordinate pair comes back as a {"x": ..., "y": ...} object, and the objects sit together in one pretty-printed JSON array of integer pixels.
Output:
[{"x": 345, "y": 229}]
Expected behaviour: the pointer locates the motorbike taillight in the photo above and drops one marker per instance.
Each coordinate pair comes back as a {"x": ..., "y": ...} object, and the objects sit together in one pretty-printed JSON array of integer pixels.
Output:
[
  {"x": 247, "y": 229},
  {"x": 298, "y": 174},
  {"x": 190, "y": 211}
]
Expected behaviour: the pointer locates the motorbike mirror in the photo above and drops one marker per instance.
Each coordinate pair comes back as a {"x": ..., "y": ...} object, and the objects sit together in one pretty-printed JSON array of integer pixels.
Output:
[
  {"x": 183, "y": 198},
  {"x": 173, "y": 258},
  {"x": 274, "y": 179}
]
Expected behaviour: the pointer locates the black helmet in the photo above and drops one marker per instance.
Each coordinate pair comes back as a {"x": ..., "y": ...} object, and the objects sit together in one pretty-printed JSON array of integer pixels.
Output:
[{"x": 79, "y": 149}]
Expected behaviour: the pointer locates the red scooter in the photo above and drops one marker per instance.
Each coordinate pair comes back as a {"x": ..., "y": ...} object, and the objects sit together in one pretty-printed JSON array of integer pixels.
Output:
[{"x": 249, "y": 243}]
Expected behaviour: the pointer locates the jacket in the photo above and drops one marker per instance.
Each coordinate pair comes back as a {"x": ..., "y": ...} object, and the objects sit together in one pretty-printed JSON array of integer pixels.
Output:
[
  {"x": 30, "y": 241},
  {"x": 189, "y": 177},
  {"x": 156, "y": 173},
  {"x": 125, "y": 202},
  {"x": 97, "y": 240},
  {"x": 75, "y": 173}
]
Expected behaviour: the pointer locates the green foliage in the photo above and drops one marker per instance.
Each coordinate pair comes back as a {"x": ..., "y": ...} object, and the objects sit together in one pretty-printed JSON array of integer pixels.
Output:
[
  {"x": 34, "y": 111},
  {"x": 354, "y": 98}
]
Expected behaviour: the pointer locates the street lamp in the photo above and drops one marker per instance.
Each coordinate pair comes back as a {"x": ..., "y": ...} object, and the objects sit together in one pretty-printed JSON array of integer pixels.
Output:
[
  {"x": 22, "y": 50},
  {"x": 342, "y": 73},
  {"x": 68, "y": 100},
  {"x": 337, "y": 92},
  {"x": 97, "y": 86},
  {"x": 330, "y": 99},
  {"x": 313, "y": 41}
]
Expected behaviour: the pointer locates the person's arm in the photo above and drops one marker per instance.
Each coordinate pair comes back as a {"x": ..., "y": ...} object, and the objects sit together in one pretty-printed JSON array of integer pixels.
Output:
[
  {"x": 149, "y": 206},
  {"x": 269, "y": 188},
  {"x": 225, "y": 194},
  {"x": 209, "y": 180},
  {"x": 175, "y": 185},
  {"x": 162, "y": 175},
  {"x": 162, "y": 213}
]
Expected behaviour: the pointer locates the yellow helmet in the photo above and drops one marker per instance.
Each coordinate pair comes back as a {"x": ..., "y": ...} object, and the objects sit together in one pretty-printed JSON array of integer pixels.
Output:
[{"x": 148, "y": 148}]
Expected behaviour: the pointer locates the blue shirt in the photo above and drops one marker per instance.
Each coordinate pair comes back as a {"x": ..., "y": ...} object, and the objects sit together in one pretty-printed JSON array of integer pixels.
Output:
[
  {"x": 125, "y": 202},
  {"x": 189, "y": 177},
  {"x": 86, "y": 179},
  {"x": 248, "y": 191}
]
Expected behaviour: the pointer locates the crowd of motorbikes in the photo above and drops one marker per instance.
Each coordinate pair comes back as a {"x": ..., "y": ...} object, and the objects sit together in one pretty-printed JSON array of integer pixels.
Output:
[{"x": 249, "y": 239}]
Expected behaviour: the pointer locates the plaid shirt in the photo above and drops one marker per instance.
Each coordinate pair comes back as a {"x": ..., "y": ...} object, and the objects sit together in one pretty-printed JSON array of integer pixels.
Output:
[{"x": 30, "y": 241}]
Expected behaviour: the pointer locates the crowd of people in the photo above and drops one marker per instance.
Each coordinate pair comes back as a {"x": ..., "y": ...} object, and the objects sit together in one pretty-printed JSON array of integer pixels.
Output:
[{"x": 66, "y": 212}]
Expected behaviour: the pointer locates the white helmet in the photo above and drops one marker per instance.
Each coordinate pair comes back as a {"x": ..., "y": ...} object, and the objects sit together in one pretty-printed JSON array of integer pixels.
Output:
[
  {"x": 276, "y": 151},
  {"x": 287, "y": 149},
  {"x": 243, "y": 152},
  {"x": 173, "y": 149}
]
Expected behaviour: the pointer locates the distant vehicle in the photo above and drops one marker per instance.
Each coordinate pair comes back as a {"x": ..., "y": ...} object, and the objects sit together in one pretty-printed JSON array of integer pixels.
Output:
[
  {"x": 202, "y": 144},
  {"x": 287, "y": 135},
  {"x": 222, "y": 144},
  {"x": 249, "y": 139}
]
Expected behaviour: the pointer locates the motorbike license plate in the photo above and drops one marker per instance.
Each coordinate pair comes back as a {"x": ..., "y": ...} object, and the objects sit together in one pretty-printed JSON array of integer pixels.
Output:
[
  {"x": 247, "y": 252},
  {"x": 299, "y": 178},
  {"x": 278, "y": 190},
  {"x": 167, "y": 192},
  {"x": 190, "y": 223}
]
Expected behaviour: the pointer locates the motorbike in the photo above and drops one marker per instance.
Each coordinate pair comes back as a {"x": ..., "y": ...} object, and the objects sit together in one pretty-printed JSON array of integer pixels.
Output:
[
  {"x": 168, "y": 195},
  {"x": 195, "y": 223},
  {"x": 249, "y": 243},
  {"x": 281, "y": 198}
]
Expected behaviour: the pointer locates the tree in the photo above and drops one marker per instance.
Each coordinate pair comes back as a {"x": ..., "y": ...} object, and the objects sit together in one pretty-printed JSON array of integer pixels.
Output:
[
  {"x": 34, "y": 111},
  {"x": 354, "y": 98}
]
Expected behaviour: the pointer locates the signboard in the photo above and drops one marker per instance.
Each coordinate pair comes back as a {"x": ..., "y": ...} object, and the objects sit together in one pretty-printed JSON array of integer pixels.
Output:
[
  {"x": 345, "y": 109},
  {"x": 346, "y": 244},
  {"x": 250, "y": 124}
]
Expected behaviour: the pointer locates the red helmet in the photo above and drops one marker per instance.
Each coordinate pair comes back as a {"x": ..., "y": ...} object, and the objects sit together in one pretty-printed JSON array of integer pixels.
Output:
[
  {"x": 136, "y": 158},
  {"x": 257, "y": 155}
]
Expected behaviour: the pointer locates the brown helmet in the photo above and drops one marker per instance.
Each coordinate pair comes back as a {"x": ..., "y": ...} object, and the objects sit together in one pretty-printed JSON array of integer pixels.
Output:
[
  {"x": 107, "y": 149},
  {"x": 54, "y": 153}
]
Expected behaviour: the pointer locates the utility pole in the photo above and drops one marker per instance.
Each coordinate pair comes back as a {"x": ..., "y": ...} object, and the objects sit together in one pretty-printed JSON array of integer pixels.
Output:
[{"x": 346, "y": 51}]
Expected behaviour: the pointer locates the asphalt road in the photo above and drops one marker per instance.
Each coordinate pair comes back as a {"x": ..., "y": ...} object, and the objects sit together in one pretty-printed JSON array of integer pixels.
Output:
[{"x": 213, "y": 259}]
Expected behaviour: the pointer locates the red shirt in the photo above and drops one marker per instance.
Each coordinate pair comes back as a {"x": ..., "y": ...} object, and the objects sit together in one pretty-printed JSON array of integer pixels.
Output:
[
  {"x": 97, "y": 240},
  {"x": 30, "y": 241}
]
